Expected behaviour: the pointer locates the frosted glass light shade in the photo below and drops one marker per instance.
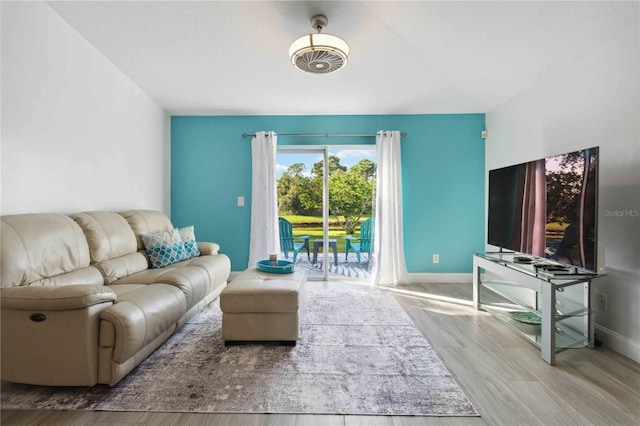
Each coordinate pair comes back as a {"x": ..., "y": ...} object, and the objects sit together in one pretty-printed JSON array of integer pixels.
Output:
[{"x": 319, "y": 53}]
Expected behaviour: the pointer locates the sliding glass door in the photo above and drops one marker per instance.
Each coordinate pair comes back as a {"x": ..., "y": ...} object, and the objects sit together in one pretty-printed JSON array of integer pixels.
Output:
[
  {"x": 325, "y": 193},
  {"x": 302, "y": 194}
]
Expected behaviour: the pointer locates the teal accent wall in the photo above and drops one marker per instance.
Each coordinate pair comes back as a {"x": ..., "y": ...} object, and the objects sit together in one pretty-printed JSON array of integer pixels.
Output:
[{"x": 442, "y": 174}]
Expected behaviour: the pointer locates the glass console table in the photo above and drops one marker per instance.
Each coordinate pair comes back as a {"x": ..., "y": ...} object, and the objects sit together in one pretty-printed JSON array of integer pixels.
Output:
[{"x": 551, "y": 309}]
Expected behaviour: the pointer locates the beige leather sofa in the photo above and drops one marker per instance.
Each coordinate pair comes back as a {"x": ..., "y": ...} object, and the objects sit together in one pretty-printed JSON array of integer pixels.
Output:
[{"x": 80, "y": 303}]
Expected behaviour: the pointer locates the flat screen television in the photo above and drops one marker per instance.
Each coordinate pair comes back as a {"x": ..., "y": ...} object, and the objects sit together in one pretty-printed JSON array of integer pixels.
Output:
[{"x": 547, "y": 208}]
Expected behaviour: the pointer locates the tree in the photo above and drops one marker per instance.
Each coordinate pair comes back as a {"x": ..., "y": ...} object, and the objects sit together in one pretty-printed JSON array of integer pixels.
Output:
[
  {"x": 350, "y": 191},
  {"x": 311, "y": 197},
  {"x": 563, "y": 188},
  {"x": 365, "y": 168},
  {"x": 334, "y": 166},
  {"x": 351, "y": 194},
  {"x": 293, "y": 188}
]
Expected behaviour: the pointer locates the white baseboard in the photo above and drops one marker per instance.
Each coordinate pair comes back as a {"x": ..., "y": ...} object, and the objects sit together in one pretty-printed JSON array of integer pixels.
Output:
[
  {"x": 423, "y": 277},
  {"x": 618, "y": 342}
]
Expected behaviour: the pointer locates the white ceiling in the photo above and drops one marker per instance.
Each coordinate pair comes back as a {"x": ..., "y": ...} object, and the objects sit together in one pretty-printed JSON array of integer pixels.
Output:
[{"x": 231, "y": 57}]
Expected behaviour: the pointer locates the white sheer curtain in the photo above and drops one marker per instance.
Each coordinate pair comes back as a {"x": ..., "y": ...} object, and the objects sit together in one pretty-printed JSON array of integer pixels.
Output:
[
  {"x": 389, "y": 266},
  {"x": 265, "y": 237}
]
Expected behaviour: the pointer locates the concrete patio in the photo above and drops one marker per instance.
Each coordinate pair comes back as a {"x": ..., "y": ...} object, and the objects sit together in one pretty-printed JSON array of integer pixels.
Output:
[{"x": 345, "y": 268}]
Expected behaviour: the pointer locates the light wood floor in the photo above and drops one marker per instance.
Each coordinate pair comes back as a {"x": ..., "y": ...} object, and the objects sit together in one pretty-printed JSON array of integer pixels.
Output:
[{"x": 501, "y": 373}]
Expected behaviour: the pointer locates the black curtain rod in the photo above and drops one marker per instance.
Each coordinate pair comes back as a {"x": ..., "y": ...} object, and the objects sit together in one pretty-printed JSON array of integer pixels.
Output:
[{"x": 246, "y": 135}]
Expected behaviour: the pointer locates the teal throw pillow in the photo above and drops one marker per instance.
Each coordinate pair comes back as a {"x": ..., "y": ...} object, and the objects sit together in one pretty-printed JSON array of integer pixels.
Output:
[
  {"x": 164, "y": 248},
  {"x": 188, "y": 236}
]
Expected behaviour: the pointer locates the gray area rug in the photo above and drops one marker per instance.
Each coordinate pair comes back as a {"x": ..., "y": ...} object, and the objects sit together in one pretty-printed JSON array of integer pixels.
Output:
[{"x": 359, "y": 353}]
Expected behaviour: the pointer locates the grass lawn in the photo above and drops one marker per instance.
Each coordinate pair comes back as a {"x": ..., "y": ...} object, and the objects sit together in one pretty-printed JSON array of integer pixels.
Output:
[
  {"x": 314, "y": 231},
  {"x": 554, "y": 230}
]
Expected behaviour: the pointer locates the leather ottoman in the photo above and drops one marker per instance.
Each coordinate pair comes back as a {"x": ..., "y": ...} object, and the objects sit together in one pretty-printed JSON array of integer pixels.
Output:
[{"x": 258, "y": 306}]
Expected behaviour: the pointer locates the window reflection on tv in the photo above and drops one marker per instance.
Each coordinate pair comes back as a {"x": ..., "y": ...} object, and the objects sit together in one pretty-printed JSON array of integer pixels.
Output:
[{"x": 547, "y": 208}]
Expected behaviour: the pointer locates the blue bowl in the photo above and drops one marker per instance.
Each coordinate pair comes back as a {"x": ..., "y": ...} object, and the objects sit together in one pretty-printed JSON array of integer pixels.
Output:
[{"x": 282, "y": 267}]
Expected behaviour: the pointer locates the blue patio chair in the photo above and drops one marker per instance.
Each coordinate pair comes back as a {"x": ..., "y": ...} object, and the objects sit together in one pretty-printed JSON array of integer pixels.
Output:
[
  {"x": 365, "y": 243},
  {"x": 289, "y": 243}
]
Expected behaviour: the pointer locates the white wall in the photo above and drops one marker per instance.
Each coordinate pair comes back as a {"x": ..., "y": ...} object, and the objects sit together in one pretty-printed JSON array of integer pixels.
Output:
[
  {"x": 592, "y": 101},
  {"x": 77, "y": 134}
]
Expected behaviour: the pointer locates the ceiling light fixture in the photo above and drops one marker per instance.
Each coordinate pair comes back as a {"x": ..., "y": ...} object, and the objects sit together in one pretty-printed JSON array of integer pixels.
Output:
[{"x": 319, "y": 53}]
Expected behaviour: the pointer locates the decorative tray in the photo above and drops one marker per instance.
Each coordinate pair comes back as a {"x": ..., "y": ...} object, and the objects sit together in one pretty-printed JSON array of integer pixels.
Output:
[
  {"x": 282, "y": 266},
  {"x": 526, "y": 317}
]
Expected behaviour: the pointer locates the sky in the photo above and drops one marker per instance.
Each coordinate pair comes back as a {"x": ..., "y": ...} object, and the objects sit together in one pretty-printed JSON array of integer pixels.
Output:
[{"x": 348, "y": 157}]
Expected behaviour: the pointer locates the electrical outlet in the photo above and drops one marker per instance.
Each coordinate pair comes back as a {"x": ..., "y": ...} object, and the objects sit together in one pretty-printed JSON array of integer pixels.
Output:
[
  {"x": 602, "y": 298},
  {"x": 436, "y": 258},
  {"x": 241, "y": 201}
]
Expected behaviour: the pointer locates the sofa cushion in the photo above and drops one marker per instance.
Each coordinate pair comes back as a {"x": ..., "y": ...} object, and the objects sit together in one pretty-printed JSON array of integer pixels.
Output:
[
  {"x": 191, "y": 280},
  {"x": 88, "y": 275},
  {"x": 123, "y": 266},
  {"x": 146, "y": 222},
  {"x": 140, "y": 315},
  {"x": 218, "y": 268},
  {"x": 188, "y": 236},
  {"x": 38, "y": 246},
  {"x": 120, "y": 290},
  {"x": 108, "y": 234},
  {"x": 163, "y": 248},
  {"x": 254, "y": 291}
]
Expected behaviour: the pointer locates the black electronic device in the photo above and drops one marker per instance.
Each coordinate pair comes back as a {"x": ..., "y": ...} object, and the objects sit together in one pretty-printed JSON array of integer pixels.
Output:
[{"x": 547, "y": 208}]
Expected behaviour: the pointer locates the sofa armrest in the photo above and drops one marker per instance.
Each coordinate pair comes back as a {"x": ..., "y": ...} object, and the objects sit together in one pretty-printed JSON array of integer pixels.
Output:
[
  {"x": 55, "y": 298},
  {"x": 50, "y": 333},
  {"x": 208, "y": 248}
]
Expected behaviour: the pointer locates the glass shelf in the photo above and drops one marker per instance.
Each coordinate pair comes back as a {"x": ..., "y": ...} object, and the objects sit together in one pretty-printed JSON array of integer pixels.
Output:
[
  {"x": 566, "y": 337},
  {"x": 502, "y": 288},
  {"x": 508, "y": 259},
  {"x": 561, "y": 302},
  {"x": 568, "y": 308},
  {"x": 564, "y": 307}
]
